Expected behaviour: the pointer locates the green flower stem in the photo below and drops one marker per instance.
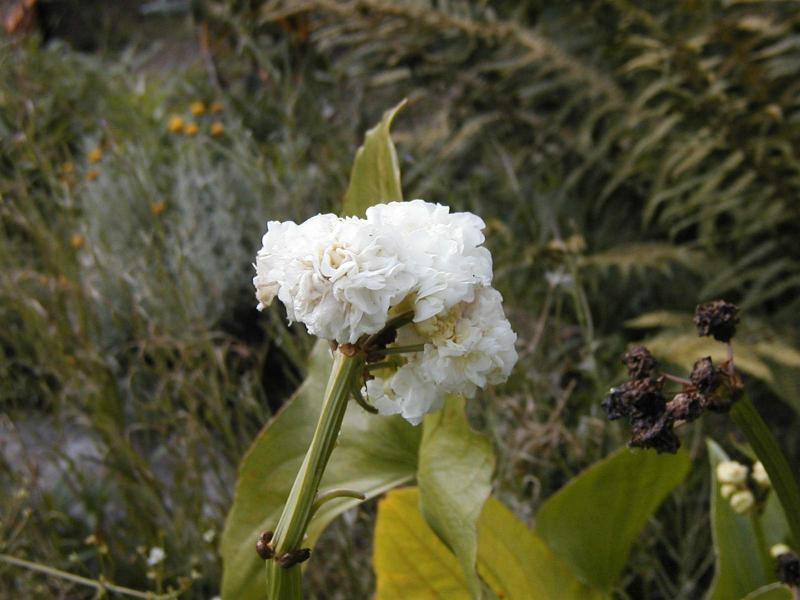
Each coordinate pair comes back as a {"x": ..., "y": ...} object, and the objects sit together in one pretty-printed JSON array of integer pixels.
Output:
[
  {"x": 285, "y": 583},
  {"x": 763, "y": 549},
  {"x": 746, "y": 417}
]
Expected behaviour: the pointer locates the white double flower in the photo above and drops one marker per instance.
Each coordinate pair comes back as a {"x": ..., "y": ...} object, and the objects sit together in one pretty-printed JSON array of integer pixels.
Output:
[{"x": 345, "y": 277}]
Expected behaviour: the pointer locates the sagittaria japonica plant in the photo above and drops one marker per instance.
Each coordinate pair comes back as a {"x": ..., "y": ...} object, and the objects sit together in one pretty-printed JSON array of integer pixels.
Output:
[{"x": 404, "y": 297}]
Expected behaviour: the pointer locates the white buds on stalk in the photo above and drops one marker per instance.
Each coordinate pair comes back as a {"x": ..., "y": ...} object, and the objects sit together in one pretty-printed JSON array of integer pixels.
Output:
[
  {"x": 730, "y": 471},
  {"x": 760, "y": 475},
  {"x": 344, "y": 278},
  {"x": 779, "y": 549},
  {"x": 742, "y": 501}
]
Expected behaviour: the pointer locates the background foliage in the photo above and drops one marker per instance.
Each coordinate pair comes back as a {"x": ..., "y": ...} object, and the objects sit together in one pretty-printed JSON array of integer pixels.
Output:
[{"x": 630, "y": 160}]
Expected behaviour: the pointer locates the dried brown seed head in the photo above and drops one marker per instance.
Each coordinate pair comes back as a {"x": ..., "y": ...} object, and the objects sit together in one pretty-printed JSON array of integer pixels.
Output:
[
  {"x": 640, "y": 362},
  {"x": 657, "y": 434},
  {"x": 788, "y": 569},
  {"x": 686, "y": 406},
  {"x": 717, "y": 319},
  {"x": 293, "y": 557},
  {"x": 705, "y": 376},
  {"x": 263, "y": 547}
]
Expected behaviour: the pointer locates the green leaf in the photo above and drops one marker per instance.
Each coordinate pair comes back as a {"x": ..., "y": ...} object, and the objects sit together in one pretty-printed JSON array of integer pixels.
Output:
[
  {"x": 773, "y": 591},
  {"x": 738, "y": 565},
  {"x": 374, "y": 454},
  {"x": 375, "y": 177},
  {"x": 594, "y": 519},
  {"x": 412, "y": 563},
  {"x": 455, "y": 478},
  {"x": 766, "y": 447}
]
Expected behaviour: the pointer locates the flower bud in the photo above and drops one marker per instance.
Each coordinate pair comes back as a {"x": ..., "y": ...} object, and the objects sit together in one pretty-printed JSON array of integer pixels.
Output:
[
  {"x": 760, "y": 475},
  {"x": 742, "y": 502},
  {"x": 727, "y": 490},
  {"x": 730, "y": 471},
  {"x": 788, "y": 570},
  {"x": 779, "y": 549}
]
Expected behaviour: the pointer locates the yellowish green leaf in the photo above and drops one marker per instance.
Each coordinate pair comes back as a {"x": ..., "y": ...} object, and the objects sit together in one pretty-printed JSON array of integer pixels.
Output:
[
  {"x": 375, "y": 177},
  {"x": 413, "y": 564},
  {"x": 454, "y": 475}
]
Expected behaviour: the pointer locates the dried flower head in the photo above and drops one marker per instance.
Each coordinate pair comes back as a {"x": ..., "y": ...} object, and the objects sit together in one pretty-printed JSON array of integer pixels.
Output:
[
  {"x": 788, "y": 569},
  {"x": 717, "y": 319},
  {"x": 640, "y": 362},
  {"x": 636, "y": 399},
  {"x": 686, "y": 406},
  {"x": 705, "y": 376},
  {"x": 657, "y": 434}
]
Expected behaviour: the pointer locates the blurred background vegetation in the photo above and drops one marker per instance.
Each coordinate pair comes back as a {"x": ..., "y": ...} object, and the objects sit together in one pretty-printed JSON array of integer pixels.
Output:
[{"x": 630, "y": 159}]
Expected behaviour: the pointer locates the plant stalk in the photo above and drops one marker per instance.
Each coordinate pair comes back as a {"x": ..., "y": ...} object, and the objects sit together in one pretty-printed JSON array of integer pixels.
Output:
[
  {"x": 285, "y": 583},
  {"x": 783, "y": 481}
]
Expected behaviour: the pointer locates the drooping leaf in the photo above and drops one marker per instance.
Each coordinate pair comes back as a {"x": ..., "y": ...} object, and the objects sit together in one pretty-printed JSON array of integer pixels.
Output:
[
  {"x": 594, "y": 519},
  {"x": 374, "y": 454},
  {"x": 639, "y": 258},
  {"x": 738, "y": 569},
  {"x": 412, "y": 563},
  {"x": 375, "y": 176},
  {"x": 454, "y": 475}
]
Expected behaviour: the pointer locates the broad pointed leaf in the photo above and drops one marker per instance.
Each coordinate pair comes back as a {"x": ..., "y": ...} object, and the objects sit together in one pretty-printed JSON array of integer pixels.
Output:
[
  {"x": 374, "y": 454},
  {"x": 739, "y": 569},
  {"x": 455, "y": 478},
  {"x": 375, "y": 177},
  {"x": 594, "y": 519},
  {"x": 413, "y": 564}
]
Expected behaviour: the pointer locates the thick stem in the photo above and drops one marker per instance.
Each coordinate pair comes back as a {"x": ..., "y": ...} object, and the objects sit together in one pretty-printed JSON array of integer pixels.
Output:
[
  {"x": 769, "y": 453},
  {"x": 285, "y": 583}
]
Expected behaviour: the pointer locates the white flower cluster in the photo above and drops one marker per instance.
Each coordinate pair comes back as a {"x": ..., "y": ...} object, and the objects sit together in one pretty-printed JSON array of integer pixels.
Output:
[
  {"x": 732, "y": 477},
  {"x": 345, "y": 277}
]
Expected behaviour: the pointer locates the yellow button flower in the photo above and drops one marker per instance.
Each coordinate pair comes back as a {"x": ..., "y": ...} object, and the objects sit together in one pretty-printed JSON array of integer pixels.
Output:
[
  {"x": 191, "y": 129},
  {"x": 197, "y": 108},
  {"x": 95, "y": 155},
  {"x": 175, "y": 124},
  {"x": 77, "y": 241},
  {"x": 217, "y": 128}
]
